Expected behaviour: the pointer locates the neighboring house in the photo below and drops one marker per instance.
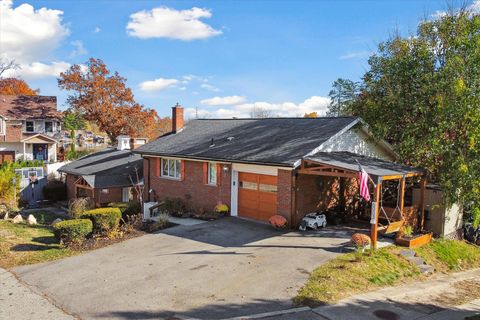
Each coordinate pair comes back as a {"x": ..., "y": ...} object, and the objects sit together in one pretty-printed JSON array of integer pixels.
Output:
[
  {"x": 253, "y": 165},
  {"x": 110, "y": 175},
  {"x": 29, "y": 126}
]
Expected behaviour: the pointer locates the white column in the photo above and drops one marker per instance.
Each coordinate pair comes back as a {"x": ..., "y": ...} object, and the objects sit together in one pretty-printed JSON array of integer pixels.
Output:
[{"x": 24, "y": 152}]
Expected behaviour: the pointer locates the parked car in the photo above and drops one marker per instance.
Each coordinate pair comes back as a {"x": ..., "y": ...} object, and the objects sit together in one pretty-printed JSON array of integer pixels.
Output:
[{"x": 313, "y": 220}]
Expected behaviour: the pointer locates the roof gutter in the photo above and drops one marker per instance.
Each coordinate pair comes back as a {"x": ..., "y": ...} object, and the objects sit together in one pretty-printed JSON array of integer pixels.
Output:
[{"x": 272, "y": 164}]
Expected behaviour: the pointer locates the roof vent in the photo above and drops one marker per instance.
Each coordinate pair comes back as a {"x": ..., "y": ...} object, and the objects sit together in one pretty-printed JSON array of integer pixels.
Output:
[
  {"x": 212, "y": 143},
  {"x": 230, "y": 138}
]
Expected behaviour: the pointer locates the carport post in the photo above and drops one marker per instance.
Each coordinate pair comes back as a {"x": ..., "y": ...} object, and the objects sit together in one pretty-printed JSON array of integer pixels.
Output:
[{"x": 375, "y": 210}]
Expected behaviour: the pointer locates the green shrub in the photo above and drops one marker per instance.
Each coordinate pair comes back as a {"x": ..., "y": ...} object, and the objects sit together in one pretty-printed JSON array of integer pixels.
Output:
[
  {"x": 127, "y": 208},
  {"x": 55, "y": 191},
  {"x": 476, "y": 217},
  {"x": 175, "y": 207},
  {"x": 73, "y": 231},
  {"x": 104, "y": 220}
]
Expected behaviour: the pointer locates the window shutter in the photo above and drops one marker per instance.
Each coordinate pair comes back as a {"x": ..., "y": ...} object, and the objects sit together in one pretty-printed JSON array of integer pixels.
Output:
[
  {"x": 182, "y": 170},
  {"x": 205, "y": 173},
  {"x": 219, "y": 174},
  {"x": 158, "y": 166}
]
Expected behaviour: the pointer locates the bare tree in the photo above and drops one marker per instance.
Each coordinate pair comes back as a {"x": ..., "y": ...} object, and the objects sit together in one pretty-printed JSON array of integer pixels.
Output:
[
  {"x": 7, "y": 64},
  {"x": 259, "y": 112},
  {"x": 137, "y": 186}
]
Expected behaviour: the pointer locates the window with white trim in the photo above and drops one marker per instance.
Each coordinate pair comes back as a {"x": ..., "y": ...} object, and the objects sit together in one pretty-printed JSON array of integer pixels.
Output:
[
  {"x": 2, "y": 126},
  {"x": 171, "y": 168},
  {"x": 29, "y": 126},
  {"x": 212, "y": 174},
  {"x": 48, "y": 126}
]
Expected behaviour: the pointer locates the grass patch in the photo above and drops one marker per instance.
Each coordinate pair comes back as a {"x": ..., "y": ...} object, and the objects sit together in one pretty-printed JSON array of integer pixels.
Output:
[
  {"x": 449, "y": 255},
  {"x": 22, "y": 244},
  {"x": 345, "y": 275}
]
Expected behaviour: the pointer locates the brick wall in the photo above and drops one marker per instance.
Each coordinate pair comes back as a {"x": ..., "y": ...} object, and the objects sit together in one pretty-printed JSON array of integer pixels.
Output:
[
  {"x": 70, "y": 182},
  {"x": 14, "y": 132},
  {"x": 191, "y": 188},
  {"x": 285, "y": 194},
  {"x": 113, "y": 195}
]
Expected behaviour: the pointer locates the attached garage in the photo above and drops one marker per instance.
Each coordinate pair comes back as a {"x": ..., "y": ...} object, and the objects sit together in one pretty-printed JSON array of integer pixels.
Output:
[
  {"x": 257, "y": 196},
  {"x": 7, "y": 156}
]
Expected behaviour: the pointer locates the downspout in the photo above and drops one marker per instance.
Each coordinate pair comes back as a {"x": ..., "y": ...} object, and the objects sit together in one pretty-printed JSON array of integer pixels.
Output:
[{"x": 148, "y": 185}]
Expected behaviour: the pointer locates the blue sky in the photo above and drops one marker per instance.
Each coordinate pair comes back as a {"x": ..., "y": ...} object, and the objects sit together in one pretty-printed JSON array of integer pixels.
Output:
[{"x": 222, "y": 57}]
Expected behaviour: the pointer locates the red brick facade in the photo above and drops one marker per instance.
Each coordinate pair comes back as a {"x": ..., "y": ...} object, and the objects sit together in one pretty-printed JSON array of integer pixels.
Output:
[
  {"x": 100, "y": 198},
  {"x": 285, "y": 194},
  {"x": 13, "y": 132},
  {"x": 191, "y": 188}
]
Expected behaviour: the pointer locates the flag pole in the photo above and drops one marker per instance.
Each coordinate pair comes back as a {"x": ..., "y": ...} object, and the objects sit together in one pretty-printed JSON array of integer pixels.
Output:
[{"x": 360, "y": 170}]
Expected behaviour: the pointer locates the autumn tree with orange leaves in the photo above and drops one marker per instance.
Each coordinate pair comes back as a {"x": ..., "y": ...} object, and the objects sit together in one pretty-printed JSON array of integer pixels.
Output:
[
  {"x": 102, "y": 97},
  {"x": 14, "y": 86}
]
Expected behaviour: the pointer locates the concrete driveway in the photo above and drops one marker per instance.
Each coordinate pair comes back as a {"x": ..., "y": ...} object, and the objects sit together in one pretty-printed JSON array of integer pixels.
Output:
[{"x": 215, "y": 270}]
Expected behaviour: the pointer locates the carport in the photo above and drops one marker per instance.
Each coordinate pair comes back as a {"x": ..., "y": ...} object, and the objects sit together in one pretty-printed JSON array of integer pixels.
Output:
[{"x": 347, "y": 165}]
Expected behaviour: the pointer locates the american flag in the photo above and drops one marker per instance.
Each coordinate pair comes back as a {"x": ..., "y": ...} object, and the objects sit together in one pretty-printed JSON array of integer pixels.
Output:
[{"x": 364, "y": 192}]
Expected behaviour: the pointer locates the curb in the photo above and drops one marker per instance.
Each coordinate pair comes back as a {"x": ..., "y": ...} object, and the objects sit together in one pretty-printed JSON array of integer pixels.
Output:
[{"x": 254, "y": 316}]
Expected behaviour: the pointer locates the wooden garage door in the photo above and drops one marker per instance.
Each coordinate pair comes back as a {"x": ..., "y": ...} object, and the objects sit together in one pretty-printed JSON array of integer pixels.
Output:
[
  {"x": 7, "y": 156},
  {"x": 257, "y": 196}
]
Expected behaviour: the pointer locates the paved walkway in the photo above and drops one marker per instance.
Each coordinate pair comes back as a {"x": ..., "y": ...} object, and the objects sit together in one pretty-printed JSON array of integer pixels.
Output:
[
  {"x": 19, "y": 302},
  {"x": 422, "y": 300}
]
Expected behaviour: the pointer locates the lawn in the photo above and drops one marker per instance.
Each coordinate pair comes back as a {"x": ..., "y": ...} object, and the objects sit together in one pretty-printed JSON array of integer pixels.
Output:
[
  {"x": 347, "y": 275},
  {"x": 22, "y": 244}
]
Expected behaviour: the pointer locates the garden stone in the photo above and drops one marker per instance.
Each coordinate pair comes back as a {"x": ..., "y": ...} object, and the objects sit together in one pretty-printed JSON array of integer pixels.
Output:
[
  {"x": 426, "y": 269},
  {"x": 417, "y": 260},
  {"x": 5, "y": 217},
  {"x": 54, "y": 222},
  {"x": 31, "y": 220},
  {"x": 18, "y": 218},
  {"x": 407, "y": 254}
]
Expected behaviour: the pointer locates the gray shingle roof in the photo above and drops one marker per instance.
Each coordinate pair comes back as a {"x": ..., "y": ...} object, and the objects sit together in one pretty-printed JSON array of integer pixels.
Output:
[
  {"x": 280, "y": 141},
  {"x": 107, "y": 168},
  {"x": 373, "y": 166}
]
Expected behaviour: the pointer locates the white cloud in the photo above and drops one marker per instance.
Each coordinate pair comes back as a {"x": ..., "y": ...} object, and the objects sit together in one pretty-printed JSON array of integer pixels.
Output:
[
  {"x": 165, "y": 22},
  {"x": 284, "y": 109},
  {"x": 223, "y": 101},
  {"x": 474, "y": 8},
  {"x": 209, "y": 87},
  {"x": 97, "y": 30},
  {"x": 79, "y": 49},
  {"x": 36, "y": 70},
  {"x": 355, "y": 55},
  {"x": 29, "y": 35},
  {"x": 158, "y": 84}
]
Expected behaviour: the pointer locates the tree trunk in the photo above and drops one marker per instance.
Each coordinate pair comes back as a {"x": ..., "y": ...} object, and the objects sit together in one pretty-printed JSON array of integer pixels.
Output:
[{"x": 74, "y": 142}]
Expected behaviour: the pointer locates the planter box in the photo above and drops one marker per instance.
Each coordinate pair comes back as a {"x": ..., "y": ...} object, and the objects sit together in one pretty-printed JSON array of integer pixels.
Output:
[{"x": 414, "y": 242}]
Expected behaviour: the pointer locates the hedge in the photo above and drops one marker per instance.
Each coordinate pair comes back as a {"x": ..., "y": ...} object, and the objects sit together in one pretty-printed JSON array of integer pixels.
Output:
[
  {"x": 55, "y": 191},
  {"x": 127, "y": 208},
  {"x": 104, "y": 219},
  {"x": 72, "y": 231}
]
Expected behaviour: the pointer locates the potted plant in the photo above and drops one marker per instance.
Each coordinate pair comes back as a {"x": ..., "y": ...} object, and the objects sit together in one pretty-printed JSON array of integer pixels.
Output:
[{"x": 407, "y": 238}]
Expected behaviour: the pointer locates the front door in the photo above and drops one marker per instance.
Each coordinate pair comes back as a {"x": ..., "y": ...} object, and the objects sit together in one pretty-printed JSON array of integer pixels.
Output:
[
  {"x": 40, "y": 151},
  {"x": 257, "y": 196}
]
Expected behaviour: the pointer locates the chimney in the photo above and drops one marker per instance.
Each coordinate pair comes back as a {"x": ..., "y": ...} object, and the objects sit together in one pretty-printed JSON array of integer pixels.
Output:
[
  {"x": 177, "y": 118},
  {"x": 123, "y": 142}
]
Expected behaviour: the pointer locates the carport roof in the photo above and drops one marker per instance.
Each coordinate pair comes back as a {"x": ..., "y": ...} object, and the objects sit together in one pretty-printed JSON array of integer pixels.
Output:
[{"x": 373, "y": 166}]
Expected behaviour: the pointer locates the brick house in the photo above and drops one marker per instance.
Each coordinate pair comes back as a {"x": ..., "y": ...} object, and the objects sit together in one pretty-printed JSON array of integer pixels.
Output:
[
  {"x": 110, "y": 175},
  {"x": 254, "y": 165},
  {"x": 29, "y": 128}
]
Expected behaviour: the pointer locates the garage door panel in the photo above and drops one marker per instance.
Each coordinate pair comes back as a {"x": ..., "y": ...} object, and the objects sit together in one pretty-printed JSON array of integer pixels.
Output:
[{"x": 257, "y": 197}]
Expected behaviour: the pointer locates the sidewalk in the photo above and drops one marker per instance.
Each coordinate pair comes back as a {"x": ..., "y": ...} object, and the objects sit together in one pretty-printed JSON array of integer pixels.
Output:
[
  {"x": 21, "y": 303},
  {"x": 433, "y": 299}
]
